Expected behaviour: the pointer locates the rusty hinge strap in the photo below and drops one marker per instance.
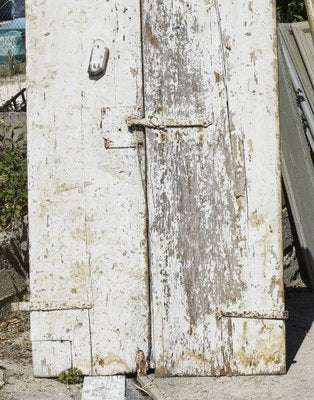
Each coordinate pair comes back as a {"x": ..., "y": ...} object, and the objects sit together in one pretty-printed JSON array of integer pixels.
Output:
[
  {"x": 280, "y": 315},
  {"x": 153, "y": 122},
  {"x": 50, "y": 306}
]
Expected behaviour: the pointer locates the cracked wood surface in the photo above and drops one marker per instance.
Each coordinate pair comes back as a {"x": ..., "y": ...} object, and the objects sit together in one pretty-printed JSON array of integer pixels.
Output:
[
  {"x": 86, "y": 203},
  {"x": 214, "y": 193}
]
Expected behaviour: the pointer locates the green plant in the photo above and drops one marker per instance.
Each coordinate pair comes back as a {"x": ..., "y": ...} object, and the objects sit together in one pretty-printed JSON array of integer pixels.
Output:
[
  {"x": 11, "y": 63},
  {"x": 291, "y": 10},
  {"x": 299, "y": 99},
  {"x": 13, "y": 181},
  {"x": 71, "y": 376},
  {"x": 12, "y": 69}
]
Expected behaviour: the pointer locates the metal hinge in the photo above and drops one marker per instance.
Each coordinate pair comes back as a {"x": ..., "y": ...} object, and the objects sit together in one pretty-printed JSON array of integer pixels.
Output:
[
  {"x": 50, "y": 306},
  {"x": 280, "y": 315},
  {"x": 153, "y": 122}
]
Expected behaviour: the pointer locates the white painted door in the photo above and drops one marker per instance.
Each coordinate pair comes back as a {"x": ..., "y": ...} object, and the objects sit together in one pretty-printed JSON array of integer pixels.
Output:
[
  {"x": 208, "y": 297},
  {"x": 86, "y": 188},
  {"x": 213, "y": 177}
]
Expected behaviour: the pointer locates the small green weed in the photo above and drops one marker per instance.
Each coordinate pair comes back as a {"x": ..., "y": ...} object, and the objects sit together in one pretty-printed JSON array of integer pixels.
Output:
[
  {"x": 12, "y": 69},
  {"x": 71, "y": 376},
  {"x": 13, "y": 182}
]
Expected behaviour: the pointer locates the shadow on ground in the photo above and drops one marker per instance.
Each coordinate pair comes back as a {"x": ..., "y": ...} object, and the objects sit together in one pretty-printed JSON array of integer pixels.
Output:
[{"x": 300, "y": 304}]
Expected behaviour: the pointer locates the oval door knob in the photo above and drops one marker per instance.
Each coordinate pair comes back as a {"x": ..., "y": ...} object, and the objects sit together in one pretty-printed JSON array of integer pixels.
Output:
[{"x": 98, "y": 58}]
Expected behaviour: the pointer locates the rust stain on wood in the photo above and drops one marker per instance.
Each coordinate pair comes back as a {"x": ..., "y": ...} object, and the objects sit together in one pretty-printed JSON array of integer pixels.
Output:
[
  {"x": 110, "y": 359},
  {"x": 151, "y": 37}
]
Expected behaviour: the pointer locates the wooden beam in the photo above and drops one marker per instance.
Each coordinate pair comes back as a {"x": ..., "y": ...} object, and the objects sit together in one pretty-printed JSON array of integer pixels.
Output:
[{"x": 309, "y": 5}]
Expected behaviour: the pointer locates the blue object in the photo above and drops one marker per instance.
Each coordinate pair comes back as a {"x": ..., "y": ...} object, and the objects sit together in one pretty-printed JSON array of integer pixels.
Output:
[
  {"x": 12, "y": 45},
  {"x": 12, "y": 31},
  {"x": 18, "y": 24}
]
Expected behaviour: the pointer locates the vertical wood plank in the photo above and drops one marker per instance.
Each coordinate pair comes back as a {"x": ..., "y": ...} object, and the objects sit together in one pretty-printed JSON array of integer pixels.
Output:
[
  {"x": 59, "y": 267},
  {"x": 87, "y": 203},
  {"x": 192, "y": 238},
  {"x": 56, "y": 179},
  {"x": 214, "y": 217},
  {"x": 115, "y": 192},
  {"x": 250, "y": 54}
]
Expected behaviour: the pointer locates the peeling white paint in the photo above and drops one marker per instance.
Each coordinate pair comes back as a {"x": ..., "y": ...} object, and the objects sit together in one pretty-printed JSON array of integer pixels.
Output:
[
  {"x": 213, "y": 188},
  {"x": 214, "y": 193},
  {"x": 86, "y": 203}
]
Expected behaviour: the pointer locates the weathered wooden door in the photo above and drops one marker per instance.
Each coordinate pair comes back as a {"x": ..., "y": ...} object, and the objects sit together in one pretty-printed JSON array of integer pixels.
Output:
[
  {"x": 213, "y": 176},
  {"x": 184, "y": 124},
  {"x": 86, "y": 188}
]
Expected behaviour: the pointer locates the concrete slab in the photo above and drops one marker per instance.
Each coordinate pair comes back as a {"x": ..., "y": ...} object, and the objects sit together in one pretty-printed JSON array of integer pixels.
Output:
[
  {"x": 297, "y": 383},
  {"x": 104, "y": 388}
]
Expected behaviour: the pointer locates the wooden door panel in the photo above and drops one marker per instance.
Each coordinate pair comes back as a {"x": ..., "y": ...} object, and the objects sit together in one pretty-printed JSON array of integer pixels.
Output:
[
  {"x": 214, "y": 192},
  {"x": 87, "y": 200}
]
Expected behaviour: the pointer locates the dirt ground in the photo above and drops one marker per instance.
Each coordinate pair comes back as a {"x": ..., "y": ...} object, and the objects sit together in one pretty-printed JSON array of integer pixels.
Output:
[
  {"x": 16, "y": 375},
  {"x": 16, "y": 366},
  {"x": 10, "y": 86}
]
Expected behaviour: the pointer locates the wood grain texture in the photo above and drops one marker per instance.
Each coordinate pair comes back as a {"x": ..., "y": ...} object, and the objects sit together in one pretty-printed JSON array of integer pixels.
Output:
[
  {"x": 71, "y": 326},
  {"x": 58, "y": 257},
  {"x": 214, "y": 219},
  {"x": 213, "y": 192},
  {"x": 115, "y": 193},
  {"x": 292, "y": 45},
  {"x": 309, "y": 5},
  {"x": 302, "y": 34},
  {"x": 87, "y": 203},
  {"x": 51, "y": 357}
]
